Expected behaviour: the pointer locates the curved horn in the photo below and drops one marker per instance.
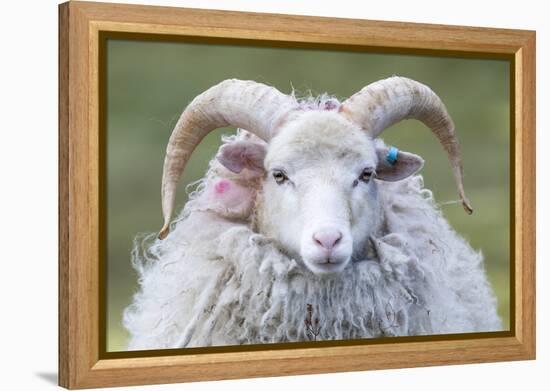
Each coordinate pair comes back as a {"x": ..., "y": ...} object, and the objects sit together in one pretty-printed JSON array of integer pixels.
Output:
[
  {"x": 253, "y": 106},
  {"x": 386, "y": 102}
]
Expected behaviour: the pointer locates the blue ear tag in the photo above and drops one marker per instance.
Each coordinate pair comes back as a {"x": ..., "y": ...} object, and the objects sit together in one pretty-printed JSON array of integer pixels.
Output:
[{"x": 391, "y": 157}]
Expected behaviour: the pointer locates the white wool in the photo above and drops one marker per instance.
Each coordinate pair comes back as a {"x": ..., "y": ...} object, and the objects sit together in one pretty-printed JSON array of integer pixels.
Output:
[{"x": 214, "y": 281}]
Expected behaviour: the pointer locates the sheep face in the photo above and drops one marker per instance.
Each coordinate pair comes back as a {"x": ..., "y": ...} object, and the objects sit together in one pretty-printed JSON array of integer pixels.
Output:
[{"x": 319, "y": 197}]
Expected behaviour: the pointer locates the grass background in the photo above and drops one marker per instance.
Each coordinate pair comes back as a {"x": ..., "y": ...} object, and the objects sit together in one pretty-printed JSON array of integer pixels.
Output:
[{"x": 149, "y": 84}]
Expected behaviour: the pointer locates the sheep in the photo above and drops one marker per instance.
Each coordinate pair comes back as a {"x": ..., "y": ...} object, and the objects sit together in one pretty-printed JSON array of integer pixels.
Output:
[{"x": 306, "y": 227}]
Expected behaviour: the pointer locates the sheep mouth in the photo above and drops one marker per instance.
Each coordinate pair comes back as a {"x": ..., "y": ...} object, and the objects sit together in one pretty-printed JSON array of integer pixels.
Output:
[{"x": 327, "y": 266}]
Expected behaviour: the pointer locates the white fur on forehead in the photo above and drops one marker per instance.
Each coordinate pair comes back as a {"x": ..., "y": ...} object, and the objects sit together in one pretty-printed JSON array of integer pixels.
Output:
[
  {"x": 320, "y": 134},
  {"x": 318, "y": 102}
]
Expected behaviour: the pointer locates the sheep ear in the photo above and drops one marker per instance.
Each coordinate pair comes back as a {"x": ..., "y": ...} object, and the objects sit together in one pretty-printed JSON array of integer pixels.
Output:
[
  {"x": 239, "y": 155},
  {"x": 396, "y": 165}
]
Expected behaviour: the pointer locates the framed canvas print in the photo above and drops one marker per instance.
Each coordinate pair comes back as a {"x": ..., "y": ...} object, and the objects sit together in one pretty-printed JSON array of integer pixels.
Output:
[{"x": 248, "y": 195}]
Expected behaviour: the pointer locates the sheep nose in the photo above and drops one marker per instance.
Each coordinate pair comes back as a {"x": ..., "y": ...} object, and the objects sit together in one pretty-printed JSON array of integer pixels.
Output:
[{"x": 327, "y": 238}]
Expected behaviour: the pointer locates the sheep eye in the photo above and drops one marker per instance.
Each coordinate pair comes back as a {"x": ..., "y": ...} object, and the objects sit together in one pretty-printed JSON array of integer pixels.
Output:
[
  {"x": 279, "y": 176},
  {"x": 366, "y": 175}
]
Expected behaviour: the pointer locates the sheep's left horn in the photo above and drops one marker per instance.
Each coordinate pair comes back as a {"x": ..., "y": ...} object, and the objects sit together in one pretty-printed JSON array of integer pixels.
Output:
[
  {"x": 386, "y": 102},
  {"x": 253, "y": 106}
]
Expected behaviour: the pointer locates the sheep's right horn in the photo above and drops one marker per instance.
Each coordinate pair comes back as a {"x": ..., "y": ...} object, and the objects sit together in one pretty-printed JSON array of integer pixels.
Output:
[
  {"x": 253, "y": 106},
  {"x": 386, "y": 102}
]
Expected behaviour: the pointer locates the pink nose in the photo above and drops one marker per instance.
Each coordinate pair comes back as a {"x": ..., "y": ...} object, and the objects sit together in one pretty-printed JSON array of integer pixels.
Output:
[{"x": 327, "y": 238}]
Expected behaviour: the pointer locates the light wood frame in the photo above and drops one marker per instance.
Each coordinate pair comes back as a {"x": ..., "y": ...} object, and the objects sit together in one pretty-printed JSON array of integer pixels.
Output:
[{"x": 82, "y": 363}]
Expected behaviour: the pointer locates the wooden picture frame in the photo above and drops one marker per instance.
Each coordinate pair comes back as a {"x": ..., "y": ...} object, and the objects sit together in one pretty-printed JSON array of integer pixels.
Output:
[{"x": 83, "y": 363}]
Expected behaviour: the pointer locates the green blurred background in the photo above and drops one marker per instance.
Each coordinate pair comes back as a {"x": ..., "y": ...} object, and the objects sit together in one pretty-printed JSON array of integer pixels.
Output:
[{"x": 149, "y": 84}]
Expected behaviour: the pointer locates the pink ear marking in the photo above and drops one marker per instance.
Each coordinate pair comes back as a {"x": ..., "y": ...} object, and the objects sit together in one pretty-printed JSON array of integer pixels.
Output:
[{"x": 222, "y": 186}]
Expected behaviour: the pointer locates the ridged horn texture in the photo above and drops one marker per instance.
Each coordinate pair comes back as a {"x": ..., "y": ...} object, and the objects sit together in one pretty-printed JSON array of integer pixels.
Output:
[
  {"x": 386, "y": 102},
  {"x": 253, "y": 106}
]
